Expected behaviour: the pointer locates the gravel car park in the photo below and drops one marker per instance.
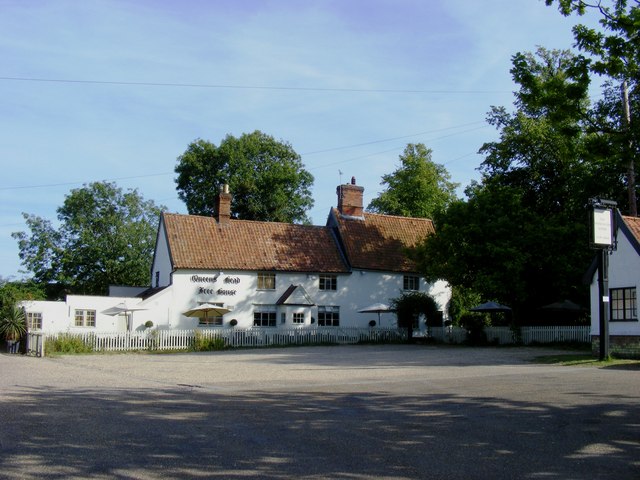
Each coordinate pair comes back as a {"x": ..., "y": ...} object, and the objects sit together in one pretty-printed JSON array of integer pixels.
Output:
[{"x": 390, "y": 411}]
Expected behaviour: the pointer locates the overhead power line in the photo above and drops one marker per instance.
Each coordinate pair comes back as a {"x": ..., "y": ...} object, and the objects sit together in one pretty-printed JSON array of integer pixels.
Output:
[
  {"x": 395, "y": 138},
  {"x": 66, "y": 184},
  {"x": 246, "y": 87}
]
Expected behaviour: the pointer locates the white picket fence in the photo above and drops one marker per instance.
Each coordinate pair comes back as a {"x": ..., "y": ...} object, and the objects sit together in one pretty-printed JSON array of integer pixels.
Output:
[
  {"x": 528, "y": 335},
  {"x": 163, "y": 340}
]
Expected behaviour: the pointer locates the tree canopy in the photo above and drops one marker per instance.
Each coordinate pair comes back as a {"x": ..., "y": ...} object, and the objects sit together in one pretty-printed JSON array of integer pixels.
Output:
[
  {"x": 614, "y": 52},
  {"x": 417, "y": 188},
  {"x": 265, "y": 176},
  {"x": 12, "y": 292},
  {"x": 521, "y": 236},
  {"x": 105, "y": 237}
]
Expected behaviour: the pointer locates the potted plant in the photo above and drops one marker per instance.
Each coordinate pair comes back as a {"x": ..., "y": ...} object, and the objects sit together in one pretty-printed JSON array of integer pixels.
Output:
[{"x": 12, "y": 327}]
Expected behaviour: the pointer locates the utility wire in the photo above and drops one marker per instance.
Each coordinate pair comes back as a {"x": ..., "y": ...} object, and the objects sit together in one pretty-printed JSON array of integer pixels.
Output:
[
  {"x": 66, "y": 184},
  {"x": 245, "y": 87},
  {"x": 393, "y": 138}
]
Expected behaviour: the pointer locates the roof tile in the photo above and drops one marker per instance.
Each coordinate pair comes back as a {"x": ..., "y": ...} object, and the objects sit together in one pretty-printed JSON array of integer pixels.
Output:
[
  {"x": 634, "y": 225},
  {"x": 198, "y": 242},
  {"x": 379, "y": 242}
]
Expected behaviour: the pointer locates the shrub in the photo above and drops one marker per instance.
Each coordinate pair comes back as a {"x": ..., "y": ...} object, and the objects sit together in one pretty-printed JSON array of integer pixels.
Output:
[
  {"x": 474, "y": 323},
  {"x": 207, "y": 343},
  {"x": 68, "y": 343}
]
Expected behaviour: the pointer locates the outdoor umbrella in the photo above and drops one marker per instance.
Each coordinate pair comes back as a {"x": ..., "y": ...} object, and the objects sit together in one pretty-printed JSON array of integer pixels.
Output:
[
  {"x": 563, "y": 311},
  {"x": 489, "y": 307},
  {"x": 121, "y": 308},
  {"x": 203, "y": 311},
  {"x": 378, "y": 308},
  {"x": 563, "y": 306}
]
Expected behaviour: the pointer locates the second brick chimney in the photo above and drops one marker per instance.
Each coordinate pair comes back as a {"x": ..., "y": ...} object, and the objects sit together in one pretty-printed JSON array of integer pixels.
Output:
[
  {"x": 350, "y": 199},
  {"x": 223, "y": 205}
]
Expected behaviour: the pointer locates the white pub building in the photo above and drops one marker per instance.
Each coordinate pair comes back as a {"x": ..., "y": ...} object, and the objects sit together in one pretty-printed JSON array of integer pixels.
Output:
[{"x": 261, "y": 274}]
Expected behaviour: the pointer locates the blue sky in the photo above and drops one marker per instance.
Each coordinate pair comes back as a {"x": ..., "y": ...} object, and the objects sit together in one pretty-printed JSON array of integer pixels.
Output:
[{"x": 347, "y": 83}]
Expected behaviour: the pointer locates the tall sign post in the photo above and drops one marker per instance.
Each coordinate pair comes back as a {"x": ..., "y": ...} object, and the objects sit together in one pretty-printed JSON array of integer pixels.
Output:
[{"x": 603, "y": 239}]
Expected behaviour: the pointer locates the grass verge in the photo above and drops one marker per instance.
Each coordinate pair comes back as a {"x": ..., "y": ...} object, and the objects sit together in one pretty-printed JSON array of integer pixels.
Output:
[{"x": 587, "y": 360}]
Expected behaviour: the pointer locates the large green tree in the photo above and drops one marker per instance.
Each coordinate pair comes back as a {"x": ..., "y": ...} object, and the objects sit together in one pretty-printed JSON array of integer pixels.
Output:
[
  {"x": 105, "y": 237},
  {"x": 521, "y": 236},
  {"x": 417, "y": 188},
  {"x": 265, "y": 176},
  {"x": 614, "y": 52}
]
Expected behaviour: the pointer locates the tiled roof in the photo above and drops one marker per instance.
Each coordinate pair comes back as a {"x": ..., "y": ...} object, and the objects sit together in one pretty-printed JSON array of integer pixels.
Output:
[
  {"x": 634, "y": 225},
  {"x": 295, "y": 295},
  {"x": 197, "y": 242},
  {"x": 379, "y": 242}
]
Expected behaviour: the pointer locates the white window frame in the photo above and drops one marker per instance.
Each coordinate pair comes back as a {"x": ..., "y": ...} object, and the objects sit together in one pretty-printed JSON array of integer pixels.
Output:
[
  {"x": 411, "y": 283},
  {"x": 32, "y": 317},
  {"x": 266, "y": 281},
  {"x": 623, "y": 304},
  {"x": 328, "y": 316},
  {"x": 265, "y": 316},
  {"x": 328, "y": 282},
  {"x": 85, "y": 318}
]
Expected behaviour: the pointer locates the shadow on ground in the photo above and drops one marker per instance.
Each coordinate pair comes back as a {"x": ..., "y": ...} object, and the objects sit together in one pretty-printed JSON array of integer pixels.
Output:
[{"x": 190, "y": 432}]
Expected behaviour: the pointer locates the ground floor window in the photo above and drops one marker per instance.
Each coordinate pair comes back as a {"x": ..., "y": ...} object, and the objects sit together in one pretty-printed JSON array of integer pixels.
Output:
[
  {"x": 623, "y": 304},
  {"x": 34, "y": 320},
  {"x": 264, "y": 317},
  {"x": 328, "y": 316},
  {"x": 211, "y": 319},
  {"x": 298, "y": 318},
  {"x": 85, "y": 318}
]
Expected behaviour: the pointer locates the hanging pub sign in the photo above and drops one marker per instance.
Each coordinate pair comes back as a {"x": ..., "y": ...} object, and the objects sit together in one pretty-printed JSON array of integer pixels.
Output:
[{"x": 602, "y": 224}]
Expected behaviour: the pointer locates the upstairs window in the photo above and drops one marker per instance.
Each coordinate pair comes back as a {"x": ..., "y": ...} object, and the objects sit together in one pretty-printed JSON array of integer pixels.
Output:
[
  {"x": 411, "y": 282},
  {"x": 266, "y": 281},
  {"x": 328, "y": 282},
  {"x": 85, "y": 318},
  {"x": 624, "y": 305}
]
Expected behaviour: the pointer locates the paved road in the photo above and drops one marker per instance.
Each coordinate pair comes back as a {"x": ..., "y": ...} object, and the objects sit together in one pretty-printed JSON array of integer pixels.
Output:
[{"x": 352, "y": 412}]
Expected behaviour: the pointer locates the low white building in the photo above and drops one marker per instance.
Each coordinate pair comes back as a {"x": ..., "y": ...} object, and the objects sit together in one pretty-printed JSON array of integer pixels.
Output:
[
  {"x": 623, "y": 280},
  {"x": 262, "y": 274}
]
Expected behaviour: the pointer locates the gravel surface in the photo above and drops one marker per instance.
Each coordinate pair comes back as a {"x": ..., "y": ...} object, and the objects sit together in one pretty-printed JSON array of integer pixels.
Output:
[{"x": 353, "y": 412}]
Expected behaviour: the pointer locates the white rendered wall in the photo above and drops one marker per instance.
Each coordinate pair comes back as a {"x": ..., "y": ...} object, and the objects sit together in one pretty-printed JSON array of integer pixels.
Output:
[
  {"x": 624, "y": 272},
  {"x": 60, "y": 316},
  {"x": 238, "y": 290}
]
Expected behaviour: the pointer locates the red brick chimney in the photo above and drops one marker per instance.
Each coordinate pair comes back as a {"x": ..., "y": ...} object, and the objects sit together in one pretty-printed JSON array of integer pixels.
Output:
[
  {"x": 223, "y": 205},
  {"x": 350, "y": 199}
]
